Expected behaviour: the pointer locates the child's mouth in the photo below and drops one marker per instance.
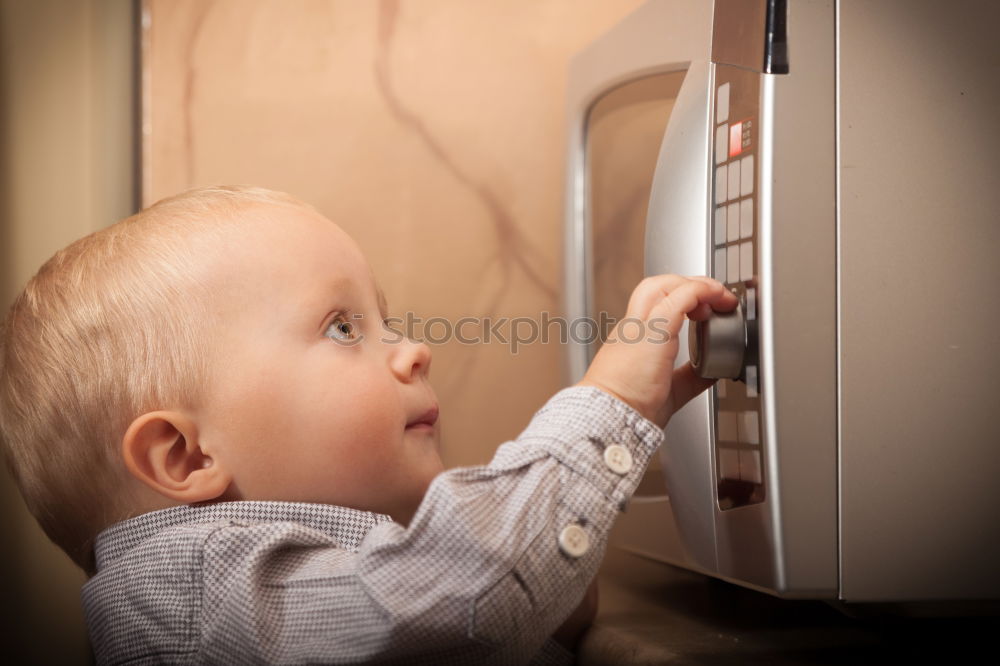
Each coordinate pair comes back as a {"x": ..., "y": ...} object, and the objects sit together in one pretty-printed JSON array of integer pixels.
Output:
[{"x": 425, "y": 421}]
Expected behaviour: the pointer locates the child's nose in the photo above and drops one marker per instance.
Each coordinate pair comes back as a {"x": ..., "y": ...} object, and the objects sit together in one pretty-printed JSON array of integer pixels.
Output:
[{"x": 412, "y": 361}]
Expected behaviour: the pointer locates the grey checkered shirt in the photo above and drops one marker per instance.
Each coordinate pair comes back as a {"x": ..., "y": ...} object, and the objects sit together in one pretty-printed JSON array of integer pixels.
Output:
[{"x": 484, "y": 574}]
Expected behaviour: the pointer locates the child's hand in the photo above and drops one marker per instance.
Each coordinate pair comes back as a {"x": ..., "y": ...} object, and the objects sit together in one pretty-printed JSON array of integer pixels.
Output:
[{"x": 636, "y": 364}]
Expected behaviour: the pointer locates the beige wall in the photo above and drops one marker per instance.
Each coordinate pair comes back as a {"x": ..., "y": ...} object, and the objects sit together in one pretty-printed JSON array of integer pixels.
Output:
[
  {"x": 66, "y": 165},
  {"x": 432, "y": 130}
]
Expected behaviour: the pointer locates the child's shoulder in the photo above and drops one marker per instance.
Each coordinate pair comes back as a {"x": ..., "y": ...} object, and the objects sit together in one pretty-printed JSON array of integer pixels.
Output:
[{"x": 228, "y": 533}]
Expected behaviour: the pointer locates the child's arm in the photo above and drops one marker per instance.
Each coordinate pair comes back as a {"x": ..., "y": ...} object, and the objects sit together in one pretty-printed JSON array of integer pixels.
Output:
[
  {"x": 497, "y": 556},
  {"x": 616, "y": 374}
]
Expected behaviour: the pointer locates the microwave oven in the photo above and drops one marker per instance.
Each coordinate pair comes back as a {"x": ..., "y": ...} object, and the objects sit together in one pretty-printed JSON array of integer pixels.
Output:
[{"x": 834, "y": 163}]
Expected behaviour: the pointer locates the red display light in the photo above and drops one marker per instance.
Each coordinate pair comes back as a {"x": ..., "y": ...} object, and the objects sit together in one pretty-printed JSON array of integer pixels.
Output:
[{"x": 735, "y": 139}]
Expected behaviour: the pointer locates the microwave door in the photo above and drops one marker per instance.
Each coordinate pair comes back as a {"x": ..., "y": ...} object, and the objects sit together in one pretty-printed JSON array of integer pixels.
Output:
[
  {"x": 637, "y": 94},
  {"x": 644, "y": 199},
  {"x": 676, "y": 241}
]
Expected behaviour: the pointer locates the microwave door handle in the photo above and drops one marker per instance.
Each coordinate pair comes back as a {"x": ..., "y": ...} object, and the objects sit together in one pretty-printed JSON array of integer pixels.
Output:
[
  {"x": 677, "y": 219},
  {"x": 677, "y": 241},
  {"x": 577, "y": 258}
]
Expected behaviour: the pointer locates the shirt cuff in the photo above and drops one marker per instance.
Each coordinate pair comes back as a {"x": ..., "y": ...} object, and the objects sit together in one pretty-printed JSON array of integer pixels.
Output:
[{"x": 597, "y": 436}]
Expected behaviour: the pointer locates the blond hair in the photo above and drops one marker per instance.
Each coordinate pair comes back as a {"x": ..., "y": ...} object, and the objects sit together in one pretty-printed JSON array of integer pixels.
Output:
[{"x": 115, "y": 325}]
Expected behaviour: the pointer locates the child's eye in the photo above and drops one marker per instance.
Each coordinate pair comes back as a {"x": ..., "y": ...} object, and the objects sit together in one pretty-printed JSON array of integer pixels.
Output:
[{"x": 341, "y": 329}]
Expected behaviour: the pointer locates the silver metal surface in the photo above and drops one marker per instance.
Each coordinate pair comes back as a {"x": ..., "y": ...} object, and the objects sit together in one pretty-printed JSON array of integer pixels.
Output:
[
  {"x": 919, "y": 237},
  {"x": 878, "y": 331},
  {"x": 717, "y": 345},
  {"x": 794, "y": 533},
  {"x": 738, "y": 33}
]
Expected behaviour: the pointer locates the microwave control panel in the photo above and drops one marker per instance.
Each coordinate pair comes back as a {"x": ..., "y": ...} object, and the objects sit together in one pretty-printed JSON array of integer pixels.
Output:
[{"x": 738, "y": 432}]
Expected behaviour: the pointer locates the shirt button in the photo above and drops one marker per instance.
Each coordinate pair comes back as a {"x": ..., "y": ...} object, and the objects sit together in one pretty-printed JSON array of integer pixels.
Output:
[
  {"x": 618, "y": 459},
  {"x": 573, "y": 541}
]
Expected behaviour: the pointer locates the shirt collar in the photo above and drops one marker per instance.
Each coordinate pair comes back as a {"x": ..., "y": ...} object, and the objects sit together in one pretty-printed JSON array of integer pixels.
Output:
[{"x": 347, "y": 526}]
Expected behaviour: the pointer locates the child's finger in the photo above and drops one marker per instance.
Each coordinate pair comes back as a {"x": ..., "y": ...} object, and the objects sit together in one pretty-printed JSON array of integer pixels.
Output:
[
  {"x": 701, "y": 313},
  {"x": 650, "y": 291},
  {"x": 654, "y": 289},
  {"x": 671, "y": 310},
  {"x": 720, "y": 307}
]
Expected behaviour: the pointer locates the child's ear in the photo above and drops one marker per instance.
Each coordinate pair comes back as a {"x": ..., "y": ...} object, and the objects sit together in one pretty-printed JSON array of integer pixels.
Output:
[{"x": 162, "y": 450}]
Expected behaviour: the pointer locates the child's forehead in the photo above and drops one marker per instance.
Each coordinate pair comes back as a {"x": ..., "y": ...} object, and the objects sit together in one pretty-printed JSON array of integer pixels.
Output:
[
  {"x": 297, "y": 242},
  {"x": 293, "y": 233}
]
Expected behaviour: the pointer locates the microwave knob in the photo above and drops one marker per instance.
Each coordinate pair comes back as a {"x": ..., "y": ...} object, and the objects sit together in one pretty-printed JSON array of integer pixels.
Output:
[{"x": 718, "y": 344}]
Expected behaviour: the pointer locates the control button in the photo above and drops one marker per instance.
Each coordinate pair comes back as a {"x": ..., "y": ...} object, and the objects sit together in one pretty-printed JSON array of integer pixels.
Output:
[
  {"x": 728, "y": 427},
  {"x": 746, "y": 177},
  {"x": 750, "y": 466},
  {"x": 721, "y": 182},
  {"x": 729, "y": 463},
  {"x": 746, "y": 260},
  {"x": 733, "y": 222},
  {"x": 751, "y": 377},
  {"x": 751, "y": 300},
  {"x": 747, "y": 424},
  {"x": 720, "y": 265},
  {"x": 573, "y": 541},
  {"x": 734, "y": 180},
  {"x": 618, "y": 459},
  {"x": 720, "y": 225},
  {"x": 733, "y": 263},
  {"x": 746, "y": 218},
  {"x": 721, "y": 147},
  {"x": 722, "y": 103},
  {"x": 717, "y": 345}
]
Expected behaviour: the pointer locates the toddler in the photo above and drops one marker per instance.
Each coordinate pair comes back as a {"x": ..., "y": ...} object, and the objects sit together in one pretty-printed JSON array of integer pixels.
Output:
[{"x": 204, "y": 408}]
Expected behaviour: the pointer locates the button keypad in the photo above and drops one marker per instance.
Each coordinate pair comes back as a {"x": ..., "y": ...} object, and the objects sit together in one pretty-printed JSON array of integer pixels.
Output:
[
  {"x": 722, "y": 104},
  {"x": 746, "y": 177},
  {"x": 750, "y": 466},
  {"x": 721, "y": 183},
  {"x": 720, "y": 225},
  {"x": 735, "y": 255},
  {"x": 733, "y": 221},
  {"x": 746, "y": 218},
  {"x": 721, "y": 147},
  {"x": 734, "y": 181},
  {"x": 746, "y": 261}
]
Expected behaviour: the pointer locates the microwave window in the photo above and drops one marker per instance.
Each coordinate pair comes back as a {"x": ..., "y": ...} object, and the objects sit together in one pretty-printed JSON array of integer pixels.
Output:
[{"x": 624, "y": 130}]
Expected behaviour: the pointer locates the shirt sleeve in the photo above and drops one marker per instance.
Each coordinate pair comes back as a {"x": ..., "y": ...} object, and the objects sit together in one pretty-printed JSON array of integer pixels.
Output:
[{"x": 494, "y": 560}]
